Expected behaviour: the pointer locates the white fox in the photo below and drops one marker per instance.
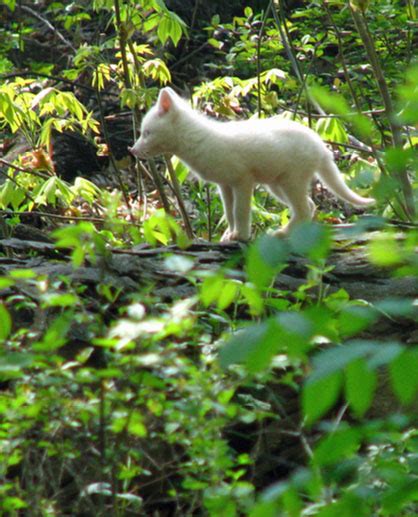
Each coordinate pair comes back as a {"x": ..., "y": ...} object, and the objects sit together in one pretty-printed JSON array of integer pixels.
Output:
[{"x": 282, "y": 155}]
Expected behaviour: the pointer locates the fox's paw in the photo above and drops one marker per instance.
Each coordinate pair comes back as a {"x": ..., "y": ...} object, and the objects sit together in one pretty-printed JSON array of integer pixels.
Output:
[
  {"x": 226, "y": 237},
  {"x": 281, "y": 234},
  {"x": 229, "y": 236}
]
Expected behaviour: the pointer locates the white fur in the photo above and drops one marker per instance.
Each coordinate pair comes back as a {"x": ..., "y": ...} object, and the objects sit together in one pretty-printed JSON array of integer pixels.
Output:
[{"x": 282, "y": 155}]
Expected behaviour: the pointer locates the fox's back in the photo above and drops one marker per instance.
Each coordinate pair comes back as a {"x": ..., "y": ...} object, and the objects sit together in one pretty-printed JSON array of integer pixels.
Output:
[{"x": 271, "y": 147}]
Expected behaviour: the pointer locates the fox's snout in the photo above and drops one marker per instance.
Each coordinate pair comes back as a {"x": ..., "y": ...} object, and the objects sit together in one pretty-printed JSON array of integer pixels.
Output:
[{"x": 135, "y": 152}]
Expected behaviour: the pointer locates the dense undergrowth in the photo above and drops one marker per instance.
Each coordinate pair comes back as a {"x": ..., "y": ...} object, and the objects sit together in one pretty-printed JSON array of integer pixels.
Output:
[{"x": 236, "y": 396}]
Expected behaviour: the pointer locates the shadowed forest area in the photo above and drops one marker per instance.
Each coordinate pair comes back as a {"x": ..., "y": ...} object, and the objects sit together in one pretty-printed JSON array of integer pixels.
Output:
[{"x": 146, "y": 368}]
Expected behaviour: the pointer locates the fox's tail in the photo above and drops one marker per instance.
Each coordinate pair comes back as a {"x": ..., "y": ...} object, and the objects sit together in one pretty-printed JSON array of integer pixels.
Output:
[{"x": 333, "y": 178}]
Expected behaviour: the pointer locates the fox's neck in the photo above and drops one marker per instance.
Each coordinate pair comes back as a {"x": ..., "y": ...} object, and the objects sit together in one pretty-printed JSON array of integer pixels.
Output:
[{"x": 196, "y": 136}]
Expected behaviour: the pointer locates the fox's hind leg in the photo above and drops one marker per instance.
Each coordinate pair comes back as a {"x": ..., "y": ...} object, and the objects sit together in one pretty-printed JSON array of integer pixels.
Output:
[
  {"x": 242, "y": 211},
  {"x": 296, "y": 198}
]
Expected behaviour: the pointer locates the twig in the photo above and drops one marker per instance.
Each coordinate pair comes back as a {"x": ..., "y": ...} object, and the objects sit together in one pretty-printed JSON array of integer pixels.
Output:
[
  {"x": 21, "y": 169},
  {"x": 75, "y": 84},
  {"x": 280, "y": 21},
  {"x": 177, "y": 192},
  {"x": 260, "y": 36},
  {"x": 53, "y": 216},
  {"x": 111, "y": 157},
  {"x": 209, "y": 205},
  {"x": 49, "y": 25},
  {"x": 159, "y": 184},
  {"x": 333, "y": 115},
  {"x": 122, "y": 39},
  {"x": 188, "y": 55},
  {"x": 362, "y": 149},
  {"x": 362, "y": 28}
]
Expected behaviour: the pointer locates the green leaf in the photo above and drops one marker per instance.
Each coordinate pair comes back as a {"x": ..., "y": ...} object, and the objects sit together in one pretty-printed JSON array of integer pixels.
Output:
[
  {"x": 332, "y": 129},
  {"x": 397, "y": 307},
  {"x": 12, "y": 364},
  {"x": 265, "y": 258},
  {"x": 56, "y": 335},
  {"x": 228, "y": 294},
  {"x": 253, "y": 299},
  {"x": 320, "y": 395},
  {"x": 355, "y": 318},
  {"x": 5, "y": 323},
  {"x": 253, "y": 346},
  {"x": 336, "y": 103},
  {"x": 385, "y": 251},
  {"x": 60, "y": 299},
  {"x": 330, "y": 101},
  {"x": 404, "y": 375},
  {"x": 169, "y": 27},
  {"x": 360, "y": 385},
  {"x": 210, "y": 289},
  {"x": 337, "y": 446},
  {"x": 337, "y": 358},
  {"x": 400, "y": 495},
  {"x": 11, "y": 194},
  {"x": 311, "y": 240},
  {"x": 350, "y": 504},
  {"x": 11, "y": 4}
]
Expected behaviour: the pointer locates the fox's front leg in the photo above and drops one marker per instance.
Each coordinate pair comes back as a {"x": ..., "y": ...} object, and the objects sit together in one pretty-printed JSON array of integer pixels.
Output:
[{"x": 228, "y": 204}]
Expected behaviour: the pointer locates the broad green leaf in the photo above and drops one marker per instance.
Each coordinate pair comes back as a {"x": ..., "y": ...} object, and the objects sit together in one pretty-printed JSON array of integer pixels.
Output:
[
  {"x": 11, "y": 194},
  {"x": 169, "y": 27},
  {"x": 355, "y": 318},
  {"x": 5, "y": 323},
  {"x": 228, "y": 294},
  {"x": 320, "y": 395},
  {"x": 253, "y": 298},
  {"x": 56, "y": 335},
  {"x": 60, "y": 299},
  {"x": 408, "y": 98},
  {"x": 264, "y": 509},
  {"x": 158, "y": 70},
  {"x": 22, "y": 274},
  {"x": 311, "y": 240},
  {"x": 336, "y": 446},
  {"x": 11, "y": 4},
  {"x": 404, "y": 375},
  {"x": 337, "y": 358},
  {"x": 265, "y": 258},
  {"x": 385, "y": 251},
  {"x": 332, "y": 129},
  {"x": 330, "y": 101},
  {"x": 360, "y": 385},
  {"x": 350, "y": 504},
  {"x": 219, "y": 290},
  {"x": 136, "y": 425},
  {"x": 5, "y": 283},
  {"x": 336, "y": 103},
  {"x": 397, "y": 307},
  {"x": 253, "y": 346},
  {"x": 12, "y": 364},
  {"x": 400, "y": 495},
  {"x": 210, "y": 289}
]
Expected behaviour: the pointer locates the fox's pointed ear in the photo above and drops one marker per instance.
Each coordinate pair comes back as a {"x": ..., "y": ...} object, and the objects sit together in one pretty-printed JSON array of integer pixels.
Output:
[{"x": 165, "y": 101}]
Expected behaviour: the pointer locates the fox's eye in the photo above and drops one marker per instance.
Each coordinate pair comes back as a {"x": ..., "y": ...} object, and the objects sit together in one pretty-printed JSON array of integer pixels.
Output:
[{"x": 145, "y": 133}]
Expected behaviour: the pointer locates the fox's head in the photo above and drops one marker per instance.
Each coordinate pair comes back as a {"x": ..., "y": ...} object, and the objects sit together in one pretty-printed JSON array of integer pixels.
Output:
[{"x": 158, "y": 128}]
